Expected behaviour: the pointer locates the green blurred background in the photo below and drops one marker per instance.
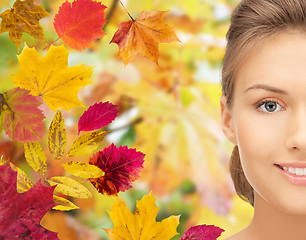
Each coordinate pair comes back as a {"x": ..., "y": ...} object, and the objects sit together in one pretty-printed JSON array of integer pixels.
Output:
[{"x": 170, "y": 112}]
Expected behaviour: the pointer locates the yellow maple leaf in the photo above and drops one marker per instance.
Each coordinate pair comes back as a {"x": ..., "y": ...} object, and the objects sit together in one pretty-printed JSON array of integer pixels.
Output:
[
  {"x": 51, "y": 78},
  {"x": 23, "y": 17},
  {"x": 142, "y": 224},
  {"x": 143, "y": 35}
]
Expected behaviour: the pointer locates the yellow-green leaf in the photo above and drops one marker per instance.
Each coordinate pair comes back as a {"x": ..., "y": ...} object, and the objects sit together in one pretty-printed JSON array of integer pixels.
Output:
[
  {"x": 86, "y": 143},
  {"x": 84, "y": 170},
  {"x": 69, "y": 187},
  {"x": 142, "y": 223},
  {"x": 57, "y": 136},
  {"x": 35, "y": 157},
  {"x": 64, "y": 204},
  {"x": 24, "y": 183}
]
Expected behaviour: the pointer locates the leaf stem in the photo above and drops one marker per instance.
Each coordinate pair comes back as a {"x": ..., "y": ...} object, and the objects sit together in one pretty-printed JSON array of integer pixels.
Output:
[
  {"x": 52, "y": 43},
  {"x": 127, "y": 11}
]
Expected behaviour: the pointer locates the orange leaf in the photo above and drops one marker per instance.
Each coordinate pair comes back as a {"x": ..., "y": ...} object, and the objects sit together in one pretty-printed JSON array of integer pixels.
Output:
[
  {"x": 23, "y": 17},
  {"x": 143, "y": 35}
]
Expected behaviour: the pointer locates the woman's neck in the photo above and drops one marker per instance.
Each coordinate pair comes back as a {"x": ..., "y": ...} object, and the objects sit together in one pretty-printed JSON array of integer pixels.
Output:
[{"x": 270, "y": 223}]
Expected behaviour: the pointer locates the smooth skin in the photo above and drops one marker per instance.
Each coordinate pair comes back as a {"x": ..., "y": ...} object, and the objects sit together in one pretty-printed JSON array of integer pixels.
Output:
[{"x": 268, "y": 123}]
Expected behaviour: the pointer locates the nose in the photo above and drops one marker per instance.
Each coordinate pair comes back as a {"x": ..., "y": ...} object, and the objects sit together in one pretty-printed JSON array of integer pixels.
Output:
[{"x": 296, "y": 126}]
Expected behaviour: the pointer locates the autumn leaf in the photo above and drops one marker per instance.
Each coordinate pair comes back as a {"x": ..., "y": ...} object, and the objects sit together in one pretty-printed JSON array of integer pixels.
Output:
[
  {"x": 35, "y": 157},
  {"x": 20, "y": 213},
  {"x": 170, "y": 133},
  {"x": 64, "y": 204},
  {"x": 57, "y": 136},
  {"x": 202, "y": 232},
  {"x": 121, "y": 166},
  {"x": 86, "y": 143},
  {"x": 3, "y": 3},
  {"x": 51, "y": 78},
  {"x": 142, "y": 223},
  {"x": 3, "y": 160},
  {"x": 97, "y": 116},
  {"x": 80, "y": 22},
  {"x": 69, "y": 227},
  {"x": 143, "y": 35},
  {"x": 22, "y": 120},
  {"x": 23, "y": 17},
  {"x": 84, "y": 170},
  {"x": 69, "y": 187},
  {"x": 24, "y": 183}
]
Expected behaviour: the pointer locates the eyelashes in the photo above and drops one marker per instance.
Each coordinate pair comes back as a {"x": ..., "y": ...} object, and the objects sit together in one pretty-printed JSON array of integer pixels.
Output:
[{"x": 268, "y": 106}]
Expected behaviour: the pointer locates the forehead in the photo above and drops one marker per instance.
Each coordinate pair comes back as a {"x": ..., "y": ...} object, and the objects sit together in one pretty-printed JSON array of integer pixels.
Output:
[{"x": 279, "y": 60}]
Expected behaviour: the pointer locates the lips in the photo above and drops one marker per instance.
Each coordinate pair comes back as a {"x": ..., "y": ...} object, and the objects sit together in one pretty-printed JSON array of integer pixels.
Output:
[
  {"x": 293, "y": 172},
  {"x": 293, "y": 165}
]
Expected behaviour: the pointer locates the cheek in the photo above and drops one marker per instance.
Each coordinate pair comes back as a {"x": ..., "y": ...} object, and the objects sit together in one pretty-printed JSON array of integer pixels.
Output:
[
  {"x": 259, "y": 139},
  {"x": 259, "y": 134}
]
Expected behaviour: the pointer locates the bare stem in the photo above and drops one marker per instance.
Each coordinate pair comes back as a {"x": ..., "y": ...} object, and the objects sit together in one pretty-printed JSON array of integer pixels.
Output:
[{"x": 127, "y": 11}]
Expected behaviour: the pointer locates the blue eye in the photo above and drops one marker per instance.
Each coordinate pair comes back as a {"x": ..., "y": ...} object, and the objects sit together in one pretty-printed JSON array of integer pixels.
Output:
[{"x": 270, "y": 106}]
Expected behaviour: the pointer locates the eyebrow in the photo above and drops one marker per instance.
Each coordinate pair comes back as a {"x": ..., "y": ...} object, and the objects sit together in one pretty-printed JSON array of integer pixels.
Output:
[{"x": 267, "y": 88}]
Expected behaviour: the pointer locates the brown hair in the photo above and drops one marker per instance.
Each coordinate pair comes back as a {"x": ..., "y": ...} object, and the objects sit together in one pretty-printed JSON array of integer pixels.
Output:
[{"x": 252, "y": 22}]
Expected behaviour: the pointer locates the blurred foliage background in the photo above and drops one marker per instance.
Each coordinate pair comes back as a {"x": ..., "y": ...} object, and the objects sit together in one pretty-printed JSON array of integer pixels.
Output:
[{"x": 168, "y": 111}]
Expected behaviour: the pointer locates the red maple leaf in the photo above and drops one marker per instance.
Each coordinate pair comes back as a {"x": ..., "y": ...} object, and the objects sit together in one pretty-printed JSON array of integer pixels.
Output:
[
  {"x": 97, "y": 116},
  {"x": 22, "y": 120},
  {"x": 121, "y": 166},
  {"x": 20, "y": 213},
  {"x": 202, "y": 232},
  {"x": 80, "y": 23}
]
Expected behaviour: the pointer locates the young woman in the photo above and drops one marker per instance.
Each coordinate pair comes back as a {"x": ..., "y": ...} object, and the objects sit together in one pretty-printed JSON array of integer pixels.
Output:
[{"x": 263, "y": 112}]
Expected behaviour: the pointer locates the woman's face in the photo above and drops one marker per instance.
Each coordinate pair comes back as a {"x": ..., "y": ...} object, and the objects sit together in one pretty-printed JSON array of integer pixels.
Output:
[{"x": 268, "y": 121}]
